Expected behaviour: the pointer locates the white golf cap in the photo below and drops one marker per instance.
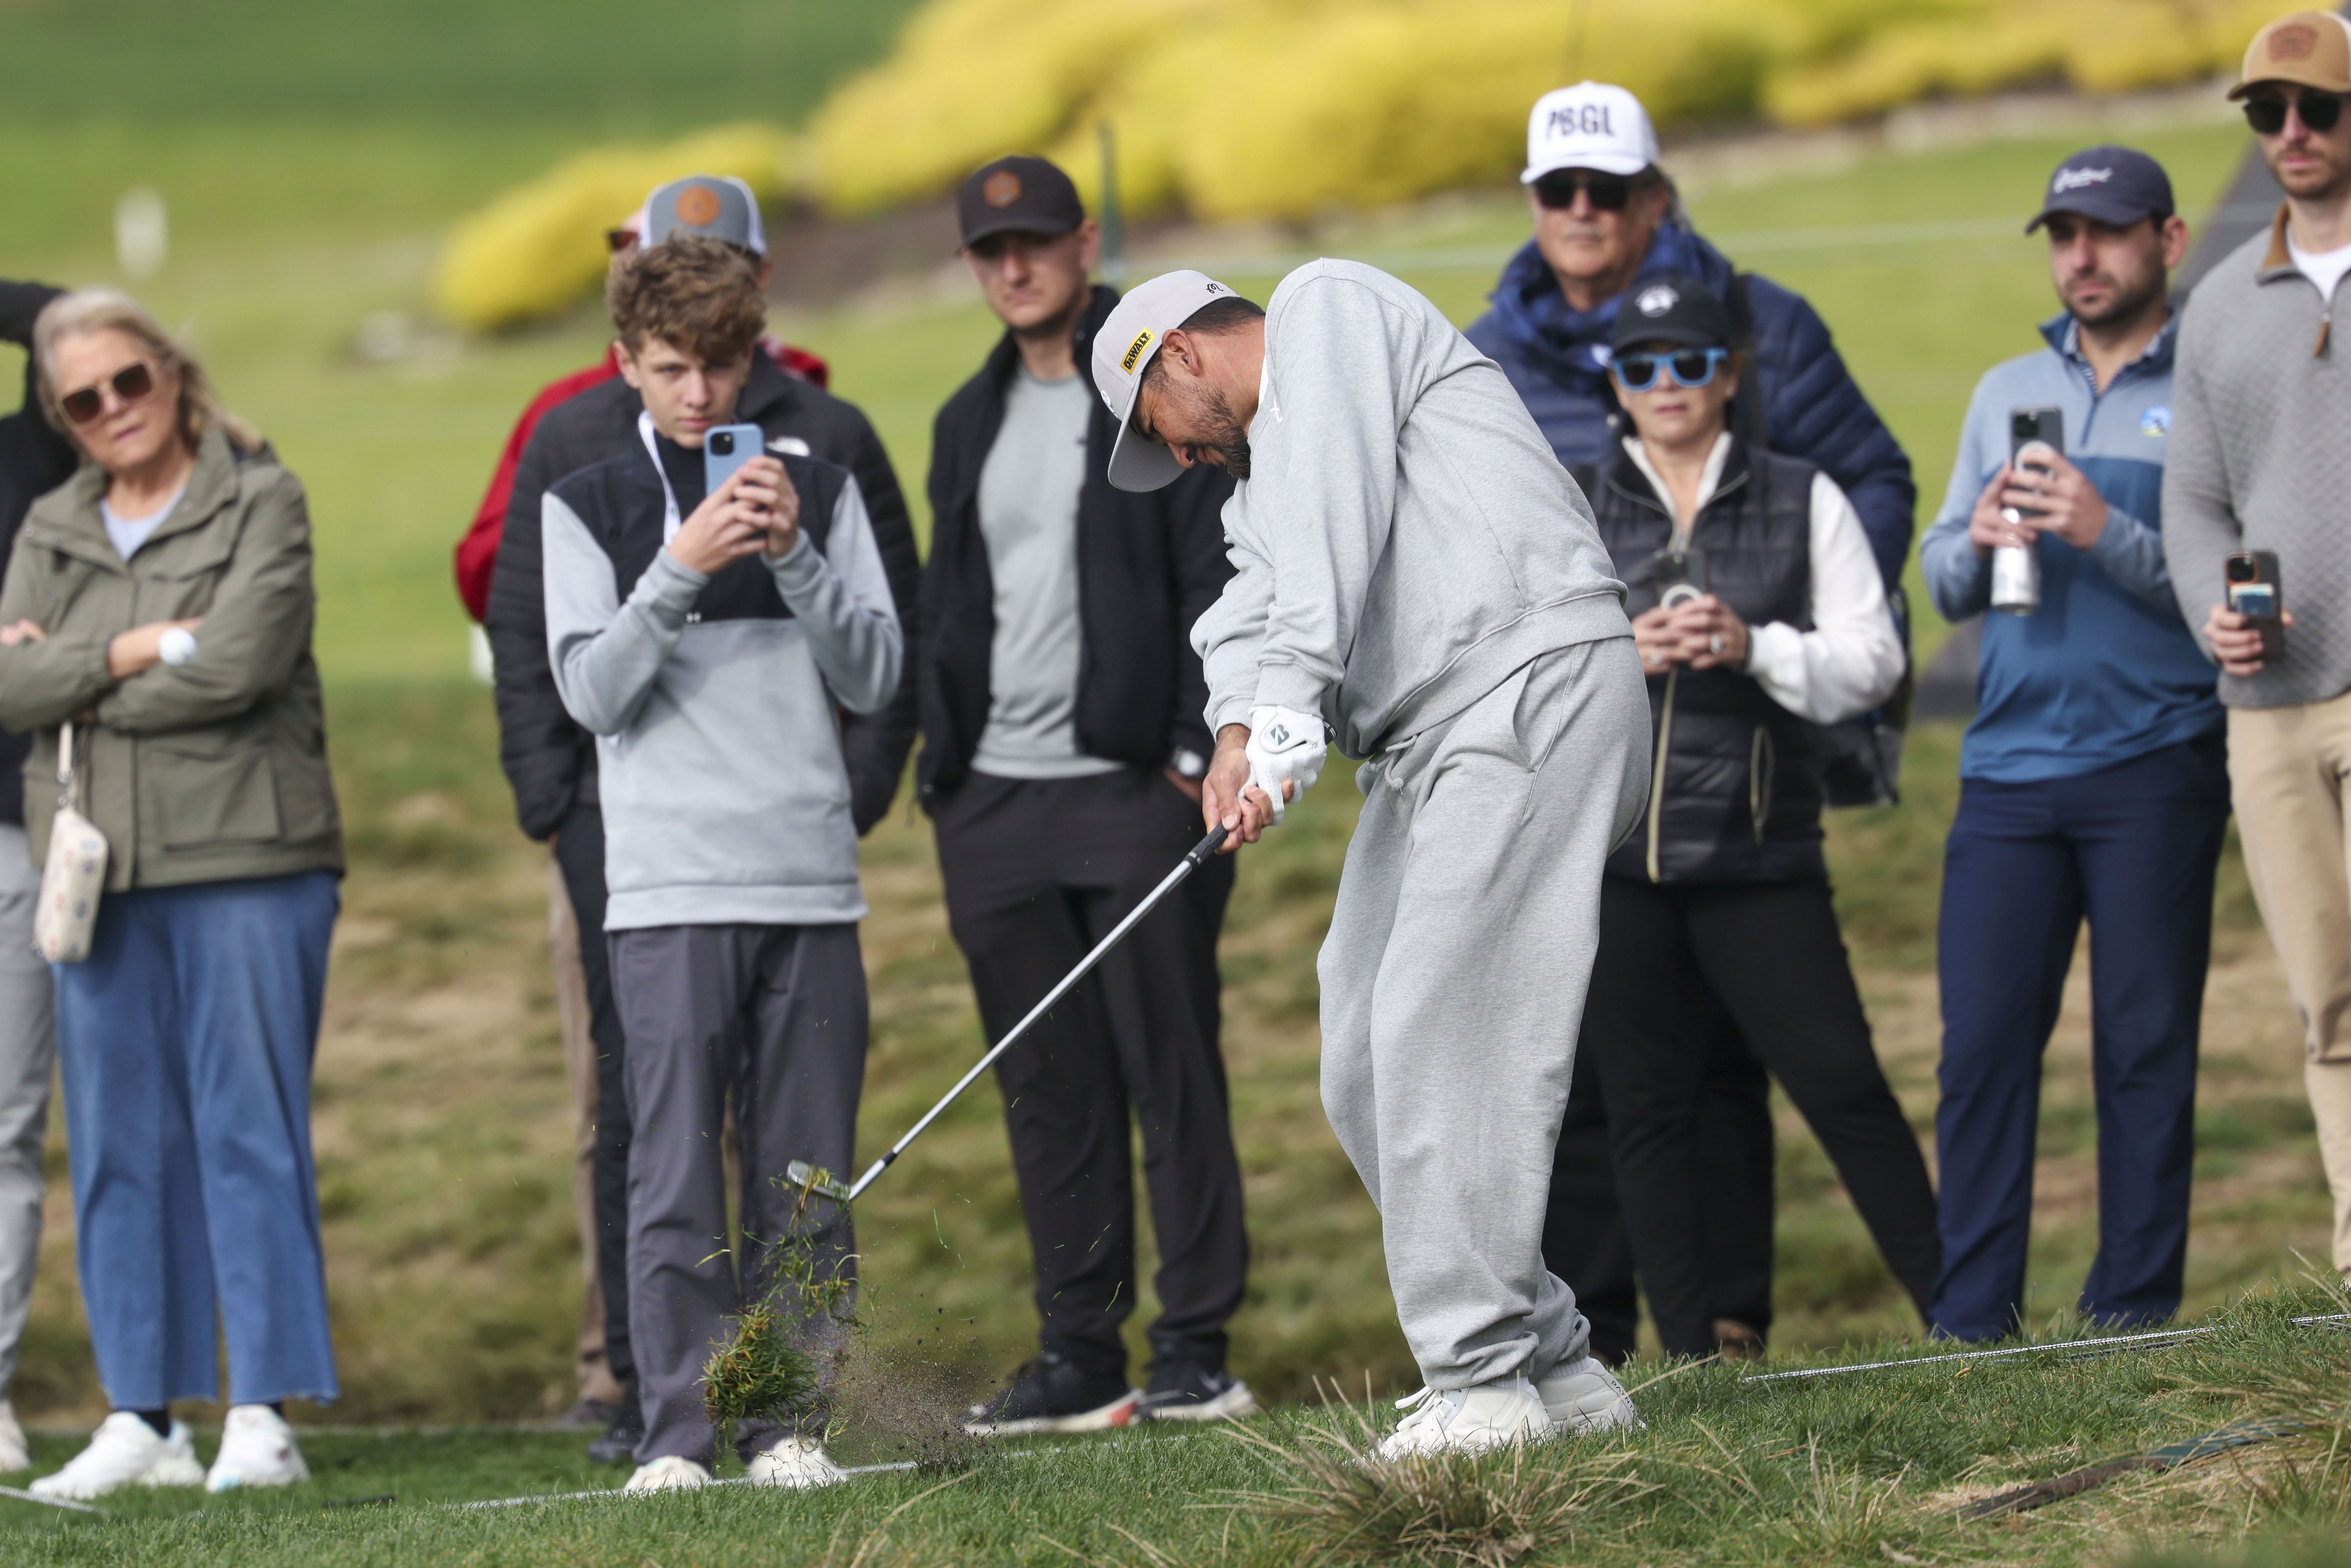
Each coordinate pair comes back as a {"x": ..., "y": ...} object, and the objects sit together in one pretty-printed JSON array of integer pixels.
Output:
[
  {"x": 1590, "y": 125},
  {"x": 1125, "y": 347}
]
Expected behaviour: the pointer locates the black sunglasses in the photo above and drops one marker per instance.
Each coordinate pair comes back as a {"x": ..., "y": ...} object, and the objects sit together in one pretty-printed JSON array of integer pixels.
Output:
[
  {"x": 1609, "y": 192},
  {"x": 2319, "y": 110},
  {"x": 131, "y": 383},
  {"x": 1689, "y": 368}
]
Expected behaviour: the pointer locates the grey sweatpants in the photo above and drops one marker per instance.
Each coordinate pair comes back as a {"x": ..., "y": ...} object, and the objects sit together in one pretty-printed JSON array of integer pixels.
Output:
[
  {"x": 776, "y": 1015},
  {"x": 28, "y": 1053},
  {"x": 1453, "y": 982}
]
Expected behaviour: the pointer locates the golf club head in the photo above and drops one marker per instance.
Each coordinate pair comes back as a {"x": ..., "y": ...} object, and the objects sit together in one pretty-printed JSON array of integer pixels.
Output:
[{"x": 809, "y": 1178}]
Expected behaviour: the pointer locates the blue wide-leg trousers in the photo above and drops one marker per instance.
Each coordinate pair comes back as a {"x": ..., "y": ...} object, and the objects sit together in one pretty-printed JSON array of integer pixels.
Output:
[
  {"x": 2132, "y": 848},
  {"x": 186, "y": 1040}
]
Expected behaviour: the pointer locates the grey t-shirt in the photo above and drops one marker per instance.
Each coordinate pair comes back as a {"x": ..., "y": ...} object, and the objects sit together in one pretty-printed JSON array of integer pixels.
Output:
[{"x": 1028, "y": 515}]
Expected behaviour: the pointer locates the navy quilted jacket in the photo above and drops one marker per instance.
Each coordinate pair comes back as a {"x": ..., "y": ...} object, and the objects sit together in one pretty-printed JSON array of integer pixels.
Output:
[{"x": 1557, "y": 357}]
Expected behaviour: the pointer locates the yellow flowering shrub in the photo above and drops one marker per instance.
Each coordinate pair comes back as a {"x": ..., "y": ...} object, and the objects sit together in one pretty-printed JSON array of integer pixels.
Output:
[
  {"x": 1284, "y": 108},
  {"x": 536, "y": 248}
]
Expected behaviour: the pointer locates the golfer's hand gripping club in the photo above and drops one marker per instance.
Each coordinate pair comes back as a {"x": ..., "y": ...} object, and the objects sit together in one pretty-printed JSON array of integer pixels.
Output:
[
  {"x": 802, "y": 1174},
  {"x": 1285, "y": 747}
]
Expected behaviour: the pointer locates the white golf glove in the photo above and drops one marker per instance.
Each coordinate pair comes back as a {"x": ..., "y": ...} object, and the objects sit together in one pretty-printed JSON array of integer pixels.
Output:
[{"x": 1284, "y": 746}]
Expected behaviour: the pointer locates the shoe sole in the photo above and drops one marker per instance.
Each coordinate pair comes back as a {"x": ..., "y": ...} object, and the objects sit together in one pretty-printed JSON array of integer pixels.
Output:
[
  {"x": 1232, "y": 1404},
  {"x": 1119, "y": 1412}
]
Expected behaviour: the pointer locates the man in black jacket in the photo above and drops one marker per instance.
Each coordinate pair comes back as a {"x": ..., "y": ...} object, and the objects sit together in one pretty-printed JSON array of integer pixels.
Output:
[
  {"x": 1063, "y": 742},
  {"x": 550, "y": 761},
  {"x": 34, "y": 459}
]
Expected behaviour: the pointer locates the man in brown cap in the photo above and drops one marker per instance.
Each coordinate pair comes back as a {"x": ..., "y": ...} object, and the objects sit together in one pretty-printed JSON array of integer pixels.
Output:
[{"x": 2257, "y": 490}]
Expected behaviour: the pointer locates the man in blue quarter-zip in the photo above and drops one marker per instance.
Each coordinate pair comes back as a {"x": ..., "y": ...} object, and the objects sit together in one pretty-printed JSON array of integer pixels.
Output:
[{"x": 2092, "y": 783}]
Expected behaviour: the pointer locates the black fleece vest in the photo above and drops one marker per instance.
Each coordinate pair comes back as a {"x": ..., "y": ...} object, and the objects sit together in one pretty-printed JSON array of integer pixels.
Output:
[
  {"x": 620, "y": 501},
  {"x": 1735, "y": 791}
]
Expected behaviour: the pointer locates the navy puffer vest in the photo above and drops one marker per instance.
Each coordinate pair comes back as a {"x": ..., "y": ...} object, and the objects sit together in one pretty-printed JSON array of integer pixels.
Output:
[{"x": 1735, "y": 787}]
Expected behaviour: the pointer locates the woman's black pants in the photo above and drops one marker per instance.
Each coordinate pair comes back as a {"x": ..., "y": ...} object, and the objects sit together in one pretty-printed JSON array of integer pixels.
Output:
[{"x": 1675, "y": 962}]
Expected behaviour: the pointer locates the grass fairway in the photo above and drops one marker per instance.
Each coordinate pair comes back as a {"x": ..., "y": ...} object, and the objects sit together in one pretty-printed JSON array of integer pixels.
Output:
[
  {"x": 442, "y": 1123},
  {"x": 1868, "y": 1468}
]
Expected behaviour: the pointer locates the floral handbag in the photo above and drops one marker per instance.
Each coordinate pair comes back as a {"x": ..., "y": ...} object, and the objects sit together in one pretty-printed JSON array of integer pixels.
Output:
[{"x": 67, "y": 914}]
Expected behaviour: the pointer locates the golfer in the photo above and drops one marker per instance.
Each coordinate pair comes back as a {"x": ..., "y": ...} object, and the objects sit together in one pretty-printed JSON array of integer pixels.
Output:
[{"x": 1417, "y": 574}]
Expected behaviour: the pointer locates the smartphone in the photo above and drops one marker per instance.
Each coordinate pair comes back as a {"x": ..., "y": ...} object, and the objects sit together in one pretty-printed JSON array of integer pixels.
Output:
[
  {"x": 725, "y": 448},
  {"x": 2255, "y": 594},
  {"x": 1679, "y": 574},
  {"x": 2034, "y": 426}
]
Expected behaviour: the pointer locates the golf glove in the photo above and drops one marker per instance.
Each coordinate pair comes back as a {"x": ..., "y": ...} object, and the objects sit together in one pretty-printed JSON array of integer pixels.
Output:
[{"x": 1284, "y": 746}]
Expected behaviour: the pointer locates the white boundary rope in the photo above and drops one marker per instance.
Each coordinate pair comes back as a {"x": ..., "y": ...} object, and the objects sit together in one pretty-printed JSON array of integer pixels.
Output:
[{"x": 2110, "y": 1344}]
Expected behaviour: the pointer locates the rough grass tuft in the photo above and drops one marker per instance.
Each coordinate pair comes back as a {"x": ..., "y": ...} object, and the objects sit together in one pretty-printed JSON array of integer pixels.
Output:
[
  {"x": 1329, "y": 1503},
  {"x": 783, "y": 1351}
]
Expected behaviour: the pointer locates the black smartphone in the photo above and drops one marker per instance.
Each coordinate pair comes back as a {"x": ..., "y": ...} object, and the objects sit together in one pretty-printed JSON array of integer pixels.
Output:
[
  {"x": 2256, "y": 594},
  {"x": 1679, "y": 574},
  {"x": 2027, "y": 426}
]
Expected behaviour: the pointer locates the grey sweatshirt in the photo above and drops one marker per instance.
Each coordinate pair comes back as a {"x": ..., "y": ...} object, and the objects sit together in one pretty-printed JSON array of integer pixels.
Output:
[
  {"x": 715, "y": 700},
  {"x": 2259, "y": 458},
  {"x": 1406, "y": 540}
]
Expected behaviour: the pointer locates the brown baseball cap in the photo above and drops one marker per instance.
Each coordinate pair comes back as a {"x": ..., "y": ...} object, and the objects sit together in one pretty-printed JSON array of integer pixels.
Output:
[{"x": 2308, "y": 48}]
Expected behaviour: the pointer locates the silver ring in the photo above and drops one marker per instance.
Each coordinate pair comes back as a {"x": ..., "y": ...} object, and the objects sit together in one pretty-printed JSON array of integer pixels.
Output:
[{"x": 1715, "y": 642}]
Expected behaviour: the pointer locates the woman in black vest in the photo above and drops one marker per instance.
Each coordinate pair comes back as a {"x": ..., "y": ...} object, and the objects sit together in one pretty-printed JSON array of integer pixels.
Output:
[{"x": 1759, "y": 614}]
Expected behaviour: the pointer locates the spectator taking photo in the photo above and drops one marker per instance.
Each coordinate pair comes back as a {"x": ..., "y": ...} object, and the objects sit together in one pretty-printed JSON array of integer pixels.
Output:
[
  {"x": 2091, "y": 781},
  {"x": 707, "y": 639}
]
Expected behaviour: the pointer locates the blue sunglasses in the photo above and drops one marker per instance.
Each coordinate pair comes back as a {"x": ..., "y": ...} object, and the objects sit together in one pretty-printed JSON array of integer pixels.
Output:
[{"x": 1689, "y": 368}]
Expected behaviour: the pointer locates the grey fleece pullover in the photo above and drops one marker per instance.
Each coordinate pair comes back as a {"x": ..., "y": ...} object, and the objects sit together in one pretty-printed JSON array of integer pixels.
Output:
[
  {"x": 718, "y": 741},
  {"x": 1406, "y": 540},
  {"x": 2259, "y": 458}
]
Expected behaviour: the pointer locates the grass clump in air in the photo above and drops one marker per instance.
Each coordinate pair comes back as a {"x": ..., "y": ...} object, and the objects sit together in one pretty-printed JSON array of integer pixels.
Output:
[{"x": 783, "y": 1352}]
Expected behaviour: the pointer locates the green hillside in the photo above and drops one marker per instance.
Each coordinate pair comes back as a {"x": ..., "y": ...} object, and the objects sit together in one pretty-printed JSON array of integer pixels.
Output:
[{"x": 607, "y": 63}]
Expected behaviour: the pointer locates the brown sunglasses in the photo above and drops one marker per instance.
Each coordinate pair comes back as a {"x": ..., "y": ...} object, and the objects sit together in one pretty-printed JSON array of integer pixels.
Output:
[{"x": 131, "y": 383}]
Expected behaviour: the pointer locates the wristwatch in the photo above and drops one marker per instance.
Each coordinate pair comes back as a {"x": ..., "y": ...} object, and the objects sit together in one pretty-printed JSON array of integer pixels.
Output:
[{"x": 177, "y": 645}]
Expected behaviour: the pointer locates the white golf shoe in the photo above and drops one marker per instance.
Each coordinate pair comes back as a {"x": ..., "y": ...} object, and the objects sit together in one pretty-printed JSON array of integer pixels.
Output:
[
  {"x": 793, "y": 1462},
  {"x": 1584, "y": 1396},
  {"x": 668, "y": 1473},
  {"x": 14, "y": 1454},
  {"x": 125, "y": 1451},
  {"x": 256, "y": 1450},
  {"x": 1468, "y": 1420}
]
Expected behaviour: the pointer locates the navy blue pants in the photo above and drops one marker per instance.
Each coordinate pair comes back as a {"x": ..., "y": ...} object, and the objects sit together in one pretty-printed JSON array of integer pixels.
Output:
[{"x": 2131, "y": 847}]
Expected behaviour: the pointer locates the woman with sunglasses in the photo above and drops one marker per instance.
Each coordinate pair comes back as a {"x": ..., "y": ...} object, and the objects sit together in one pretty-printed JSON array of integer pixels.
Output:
[
  {"x": 1759, "y": 614},
  {"x": 159, "y": 603}
]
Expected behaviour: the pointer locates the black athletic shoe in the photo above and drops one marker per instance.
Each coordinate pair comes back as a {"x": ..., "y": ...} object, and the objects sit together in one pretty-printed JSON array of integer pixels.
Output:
[
  {"x": 1193, "y": 1391},
  {"x": 618, "y": 1446},
  {"x": 1052, "y": 1394}
]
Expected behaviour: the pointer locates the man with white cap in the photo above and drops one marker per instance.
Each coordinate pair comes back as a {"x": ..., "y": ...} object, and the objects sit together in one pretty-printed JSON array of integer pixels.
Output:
[
  {"x": 1606, "y": 222},
  {"x": 1415, "y": 571}
]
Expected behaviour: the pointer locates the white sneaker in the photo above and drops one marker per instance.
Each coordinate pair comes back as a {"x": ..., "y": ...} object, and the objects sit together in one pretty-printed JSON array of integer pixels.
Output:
[
  {"x": 793, "y": 1462},
  {"x": 124, "y": 1451},
  {"x": 256, "y": 1450},
  {"x": 1469, "y": 1420},
  {"x": 14, "y": 1455},
  {"x": 668, "y": 1473},
  {"x": 1584, "y": 1396}
]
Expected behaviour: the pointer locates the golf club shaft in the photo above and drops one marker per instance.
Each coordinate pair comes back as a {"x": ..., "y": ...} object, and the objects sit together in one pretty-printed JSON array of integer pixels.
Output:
[{"x": 1193, "y": 859}]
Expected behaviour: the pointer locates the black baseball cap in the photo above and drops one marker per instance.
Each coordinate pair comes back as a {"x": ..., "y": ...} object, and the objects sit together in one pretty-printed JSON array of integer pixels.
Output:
[
  {"x": 1675, "y": 308},
  {"x": 1029, "y": 196},
  {"x": 2112, "y": 184}
]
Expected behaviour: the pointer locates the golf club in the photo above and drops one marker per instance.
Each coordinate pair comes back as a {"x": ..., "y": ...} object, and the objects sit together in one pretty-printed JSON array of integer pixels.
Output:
[{"x": 807, "y": 1179}]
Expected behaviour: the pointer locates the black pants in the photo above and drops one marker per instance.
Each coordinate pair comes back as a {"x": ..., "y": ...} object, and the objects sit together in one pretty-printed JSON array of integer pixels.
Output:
[
  {"x": 579, "y": 852},
  {"x": 1674, "y": 963},
  {"x": 1584, "y": 1241},
  {"x": 1036, "y": 871}
]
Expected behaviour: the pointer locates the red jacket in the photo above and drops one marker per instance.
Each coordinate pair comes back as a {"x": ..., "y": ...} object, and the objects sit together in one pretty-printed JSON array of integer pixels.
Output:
[{"x": 477, "y": 552}]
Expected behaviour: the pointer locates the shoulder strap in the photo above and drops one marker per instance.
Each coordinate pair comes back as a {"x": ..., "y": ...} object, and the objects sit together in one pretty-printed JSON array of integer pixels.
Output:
[{"x": 1747, "y": 414}]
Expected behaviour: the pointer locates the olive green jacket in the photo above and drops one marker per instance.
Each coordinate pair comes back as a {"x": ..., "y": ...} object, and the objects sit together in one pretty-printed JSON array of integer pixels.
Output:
[{"x": 207, "y": 771}]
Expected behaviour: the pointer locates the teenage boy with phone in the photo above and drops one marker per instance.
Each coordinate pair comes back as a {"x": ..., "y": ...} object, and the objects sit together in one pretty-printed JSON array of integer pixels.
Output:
[
  {"x": 709, "y": 641},
  {"x": 2259, "y": 465},
  {"x": 2092, "y": 783}
]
